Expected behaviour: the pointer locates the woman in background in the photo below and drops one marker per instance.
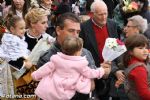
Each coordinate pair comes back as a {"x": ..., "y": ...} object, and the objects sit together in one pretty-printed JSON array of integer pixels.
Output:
[
  {"x": 18, "y": 7},
  {"x": 135, "y": 25},
  {"x": 36, "y": 21},
  {"x": 46, "y": 5}
]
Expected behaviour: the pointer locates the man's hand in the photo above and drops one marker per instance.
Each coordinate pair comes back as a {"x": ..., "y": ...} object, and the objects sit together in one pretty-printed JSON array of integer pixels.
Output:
[
  {"x": 120, "y": 76},
  {"x": 118, "y": 83}
]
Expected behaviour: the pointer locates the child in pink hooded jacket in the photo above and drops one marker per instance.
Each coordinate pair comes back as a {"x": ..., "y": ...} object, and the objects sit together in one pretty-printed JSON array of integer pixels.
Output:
[{"x": 66, "y": 73}]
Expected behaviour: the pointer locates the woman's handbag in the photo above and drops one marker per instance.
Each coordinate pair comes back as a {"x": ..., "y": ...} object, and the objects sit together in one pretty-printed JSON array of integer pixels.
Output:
[{"x": 25, "y": 84}]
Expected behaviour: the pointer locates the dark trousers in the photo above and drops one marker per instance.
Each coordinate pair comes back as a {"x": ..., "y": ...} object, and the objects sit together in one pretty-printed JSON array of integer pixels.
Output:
[
  {"x": 103, "y": 98},
  {"x": 80, "y": 96}
]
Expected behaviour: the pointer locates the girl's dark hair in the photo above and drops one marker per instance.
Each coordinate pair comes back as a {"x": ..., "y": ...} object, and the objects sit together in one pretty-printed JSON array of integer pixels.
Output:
[
  {"x": 131, "y": 42},
  {"x": 11, "y": 20},
  {"x": 71, "y": 45}
]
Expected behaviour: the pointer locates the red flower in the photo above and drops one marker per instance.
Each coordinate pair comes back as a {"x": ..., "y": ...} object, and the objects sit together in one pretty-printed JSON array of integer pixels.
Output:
[
  {"x": 2, "y": 29},
  {"x": 134, "y": 5},
  {"x": 119, "y": 42}
]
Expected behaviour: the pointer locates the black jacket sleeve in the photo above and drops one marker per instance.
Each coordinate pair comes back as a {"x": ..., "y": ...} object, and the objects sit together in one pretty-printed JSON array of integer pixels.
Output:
[{"x": 18, "y": 63}]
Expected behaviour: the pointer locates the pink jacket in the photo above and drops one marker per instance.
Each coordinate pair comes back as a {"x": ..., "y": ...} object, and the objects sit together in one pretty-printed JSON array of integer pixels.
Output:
[{"x": 63, "y": 76}]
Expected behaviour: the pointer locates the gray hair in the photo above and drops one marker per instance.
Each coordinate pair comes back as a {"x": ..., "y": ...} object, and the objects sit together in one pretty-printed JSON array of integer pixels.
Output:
[
  {"x": 140, "y": 22},
  {"x": 96, "y": 4}
]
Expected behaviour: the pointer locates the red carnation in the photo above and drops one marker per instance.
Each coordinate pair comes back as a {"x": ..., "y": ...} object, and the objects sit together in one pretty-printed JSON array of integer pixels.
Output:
[{"x": 119, "y": 42}]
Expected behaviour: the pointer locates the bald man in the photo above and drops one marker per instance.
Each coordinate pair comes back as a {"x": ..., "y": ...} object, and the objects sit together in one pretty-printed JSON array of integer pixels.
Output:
[{"x": 94, "y": 33}]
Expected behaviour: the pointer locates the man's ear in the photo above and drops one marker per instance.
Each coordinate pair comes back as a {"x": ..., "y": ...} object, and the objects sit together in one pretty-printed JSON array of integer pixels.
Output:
[{"x": 58, "y": 29}]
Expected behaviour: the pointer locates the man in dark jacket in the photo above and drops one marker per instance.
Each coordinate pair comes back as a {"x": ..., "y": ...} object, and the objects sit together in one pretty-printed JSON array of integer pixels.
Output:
[
  {"x": 68, "y": 24},
  {"x": 94, "y": 33}
]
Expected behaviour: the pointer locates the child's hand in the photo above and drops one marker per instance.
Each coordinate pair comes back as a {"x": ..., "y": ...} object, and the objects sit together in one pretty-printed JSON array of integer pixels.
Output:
[
  {"x": 106, "y": 64},
  {"x": 28, "y": 64},
  {"x": 107, "y": 68},
  {"x": 107, "y": 72}
]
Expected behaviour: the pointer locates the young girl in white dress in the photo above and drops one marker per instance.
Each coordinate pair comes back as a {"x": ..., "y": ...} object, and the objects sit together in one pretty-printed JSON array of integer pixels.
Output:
[
  {"x": 12, "y": 48},
  {"x": 13, "y": 45}
]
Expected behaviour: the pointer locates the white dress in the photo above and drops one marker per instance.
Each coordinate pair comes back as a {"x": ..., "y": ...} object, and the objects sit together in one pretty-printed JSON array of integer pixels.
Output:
[{"x": 13, "y": 47}]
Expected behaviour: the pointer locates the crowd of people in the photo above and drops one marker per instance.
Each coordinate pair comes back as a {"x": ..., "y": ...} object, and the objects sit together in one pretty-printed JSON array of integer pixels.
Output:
[{"x": 66, "y": 39}]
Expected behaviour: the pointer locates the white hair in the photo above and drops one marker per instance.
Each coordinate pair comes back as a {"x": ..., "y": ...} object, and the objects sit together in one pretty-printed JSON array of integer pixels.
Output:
[
  {"x": 97, "y": 3},
  {"x": 140, "y": 22}
]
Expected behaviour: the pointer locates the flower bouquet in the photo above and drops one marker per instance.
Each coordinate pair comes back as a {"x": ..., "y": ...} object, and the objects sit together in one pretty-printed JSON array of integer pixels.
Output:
[
  {"x": 113, "y": 48},
  {"x": 40, "y": 48},
  {"x": 131, "y": 6}
]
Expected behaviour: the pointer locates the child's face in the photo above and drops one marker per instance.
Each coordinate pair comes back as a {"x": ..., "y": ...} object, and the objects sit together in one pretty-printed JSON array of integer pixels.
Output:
[
  {"x": 140, "y": 52},
  {"x": 19, "y": 28}
]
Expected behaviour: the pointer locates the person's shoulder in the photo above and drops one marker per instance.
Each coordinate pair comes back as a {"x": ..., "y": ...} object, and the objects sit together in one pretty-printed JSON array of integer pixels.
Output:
[
  {"x": 48, "y": 37},
  {"x": 10, "y": 37},
  {"x": 110, "y": 20},
  {"x": 85, "y": 51},
  {"x": 138, "y": 70},
  {"x": 84, "y": 18},
  {"x": 54, "y": 56},
  {"x": 52, "y": 50},
  {"x": 147, "y": 32},
  {"x": 146, "y": 15},
  {"x": 86, "y": 22}
]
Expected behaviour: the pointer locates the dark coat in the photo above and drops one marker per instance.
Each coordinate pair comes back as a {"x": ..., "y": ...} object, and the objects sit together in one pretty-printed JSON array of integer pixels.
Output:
[
  {"x": 88, "y": 35},
  {"x": 147, "y": 33}
]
